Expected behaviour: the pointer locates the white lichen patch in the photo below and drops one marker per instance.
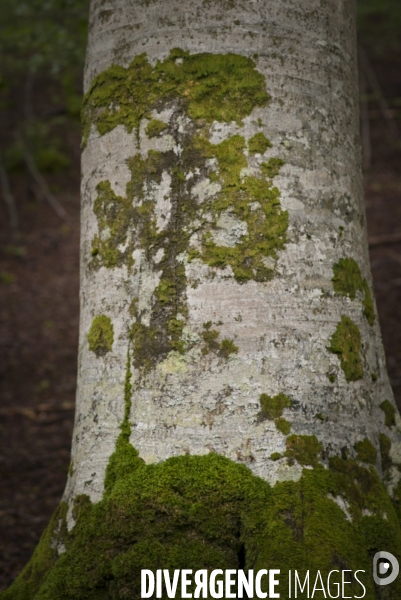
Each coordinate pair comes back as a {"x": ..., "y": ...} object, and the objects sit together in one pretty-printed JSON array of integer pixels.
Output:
[
  {"x": 173, "y": 363},
  {"x": 343, "y": 504},
  {"x": 229, "y": 230},
  {"x": 163, "y": 204},
  {"x": 205, "y": 189}
]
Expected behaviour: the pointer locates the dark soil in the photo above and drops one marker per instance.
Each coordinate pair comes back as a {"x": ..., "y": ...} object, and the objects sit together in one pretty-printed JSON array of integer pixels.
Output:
[{"x": 39, "y": 328}]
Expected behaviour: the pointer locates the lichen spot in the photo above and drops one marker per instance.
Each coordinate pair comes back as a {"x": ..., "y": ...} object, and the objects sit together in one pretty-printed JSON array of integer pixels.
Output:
[
  {"x": 389, "y": 413},
  {"x": 366, "y": 452},
  {"x": 347, "y": 280},
  {"x": 101, "y": 335},
  {"x": 346, "y": 342}
]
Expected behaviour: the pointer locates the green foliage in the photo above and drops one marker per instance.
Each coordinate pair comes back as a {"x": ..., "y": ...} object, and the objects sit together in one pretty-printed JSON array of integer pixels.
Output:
[
  {"x": 42, "y": 36},
  {"x": 347, "y": 280},
  {"x": 101, "y": 335},
  {"x": 379, "y": 24},
  {"x": 366, "y": 452},
  {"x": 271, "y": 407},
  {"x": 389, "y": 413},
  {"x": 346, "y": 342},
  {"x": 258, "y": 144}
]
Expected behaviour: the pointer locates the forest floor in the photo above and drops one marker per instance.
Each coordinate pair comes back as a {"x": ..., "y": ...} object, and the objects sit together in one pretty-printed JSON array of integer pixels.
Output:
[{"x": 39, "y": 305}]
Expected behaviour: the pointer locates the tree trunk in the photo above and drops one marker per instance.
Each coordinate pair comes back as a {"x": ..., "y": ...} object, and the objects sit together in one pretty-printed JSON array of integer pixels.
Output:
[{"x": 233, "y": 406}]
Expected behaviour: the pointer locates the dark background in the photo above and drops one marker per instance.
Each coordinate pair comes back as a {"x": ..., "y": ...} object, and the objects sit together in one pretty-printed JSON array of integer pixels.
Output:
[{"x": 42, "y": 47}]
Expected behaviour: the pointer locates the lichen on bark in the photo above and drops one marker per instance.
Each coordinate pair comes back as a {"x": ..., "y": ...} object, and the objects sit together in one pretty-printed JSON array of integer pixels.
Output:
[{"x": 197, "y": 200}]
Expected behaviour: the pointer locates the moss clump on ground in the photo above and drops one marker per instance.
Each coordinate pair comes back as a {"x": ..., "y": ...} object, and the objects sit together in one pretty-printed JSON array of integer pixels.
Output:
[
  {"x": 389, "y": 413},
  {"x": 258, "y": 144},
  {"x": 346, "y": 342},
  {"x": 271, "y": 407},
  {"x": 347, "y": 280},
  {"x": 101, "y": 335},
  {"x": 366, "y": 452},
  {"x": 155, "y": 128},
  {"x": 208, "y": 512}
]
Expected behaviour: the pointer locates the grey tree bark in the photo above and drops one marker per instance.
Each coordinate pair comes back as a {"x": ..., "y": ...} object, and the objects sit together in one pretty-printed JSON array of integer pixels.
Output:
[{"x": 226, "y": 303}]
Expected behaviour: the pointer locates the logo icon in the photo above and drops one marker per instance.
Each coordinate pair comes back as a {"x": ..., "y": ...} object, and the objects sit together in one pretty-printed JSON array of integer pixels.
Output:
[{"x": 385, "y": 568}]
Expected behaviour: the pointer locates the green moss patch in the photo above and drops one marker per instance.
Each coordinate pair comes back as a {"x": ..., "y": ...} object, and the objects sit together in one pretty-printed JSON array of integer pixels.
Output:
[
  {"x": 305, "y": 449},
  {"x": 213, "y": 87},
  {"x": 346, "y": 342},
  {"x": 101, "y": 335},
  {"x": 389, "y": 413},
  {"x": 155, "y": 127},
  {"x": 258, "y": 144},
  {"x": 347, "y": 280},
  {"x": 276, "y": 456},
  {"x": 251, "y": 199},
  {"x": 283, "y": 425},
  {"x": 366, "y": 452},
  {"x": 208, "y": 512},
  {"x": 271, "y": 407},
  {"x": 227, "y": 347}
]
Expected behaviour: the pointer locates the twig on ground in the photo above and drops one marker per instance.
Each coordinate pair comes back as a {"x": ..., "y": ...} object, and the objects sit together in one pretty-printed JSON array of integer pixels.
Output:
[{"x": 9, "y": 200}]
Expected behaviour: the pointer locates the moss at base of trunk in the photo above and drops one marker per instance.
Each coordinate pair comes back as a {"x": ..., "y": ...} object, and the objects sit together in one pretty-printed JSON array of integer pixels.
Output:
[{"x": 209, "y": 512}]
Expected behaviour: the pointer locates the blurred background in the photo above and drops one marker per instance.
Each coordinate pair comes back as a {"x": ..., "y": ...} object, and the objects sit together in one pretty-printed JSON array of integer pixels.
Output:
[{"x": 42, "y": 47}]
